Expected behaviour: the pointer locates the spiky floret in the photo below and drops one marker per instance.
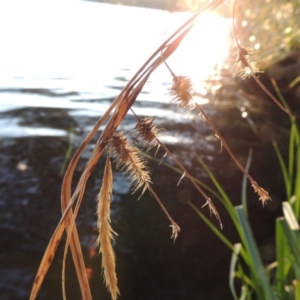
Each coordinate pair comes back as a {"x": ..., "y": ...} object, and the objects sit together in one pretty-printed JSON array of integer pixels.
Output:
[
  {"x": 182, "y": 91},
  {"x": 262, "y": 193},
  {"x": 146, "y": 132},
  {"x": 246, "y": 63},
  {"x": 127, "y": 159}
]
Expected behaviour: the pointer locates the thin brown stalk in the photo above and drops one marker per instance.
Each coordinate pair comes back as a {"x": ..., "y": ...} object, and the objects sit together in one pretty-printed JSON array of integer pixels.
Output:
[
  {"x": 174, "y": 226},
  {"x": 182, "y": 93},
  {"x": 149, "y": 136},
  {"x": 210, "y": 204},
  {"x": 127, "y": 159},
  {"x": 119, "y": 108},
  {"x": 181, "y": 89},
  {"x": 66, "y": 207},
  {"x": 262, "y": 86},
  {"x": 263, "y": 194},
  {"x": 246, "y": 66}
]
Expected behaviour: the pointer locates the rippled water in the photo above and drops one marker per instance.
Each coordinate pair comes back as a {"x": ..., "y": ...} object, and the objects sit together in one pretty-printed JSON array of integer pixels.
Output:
[
  {"x": 79, "y": 55},
  {"x": 62, "y": 63}
]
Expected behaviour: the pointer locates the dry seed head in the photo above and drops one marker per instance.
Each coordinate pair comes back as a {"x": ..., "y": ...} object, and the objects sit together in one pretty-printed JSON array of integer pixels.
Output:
[
  {"x": 106, "y": 233},
  {"x": 127, "y": 159},
  {"x": 182, "y": 91},
  {"x": 246, "y": 63},
  {"x": 175, "y": 231},
  {"x": 174, "y": 226},
  {"x": 263, "y": 194},
  {"x": 213, "y": 210},
  {"x": 147, "y": 132}
]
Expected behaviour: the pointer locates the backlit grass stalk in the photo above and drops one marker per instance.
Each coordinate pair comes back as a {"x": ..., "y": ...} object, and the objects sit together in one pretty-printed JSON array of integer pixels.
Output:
[
  {"x": 291, "y": 169},
  {"x": 182, "y": 95},
  {"x": 113, "y": 117},
  {"x": 246, "y": 66},
  {"x": 147, "y": 133},
  {"x": 106, "y": 232},
  {"x": 127, "y": 159},
  {"x": 257, "y": 280},
  {"x": 263, "y": 194},
  {"x": 253, "y": 280}
]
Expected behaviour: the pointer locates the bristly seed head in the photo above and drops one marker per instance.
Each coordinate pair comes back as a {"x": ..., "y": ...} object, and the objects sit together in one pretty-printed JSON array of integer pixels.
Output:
[
  {"x": 246, "y": 63},
  {"x": 263, "y": 194},
  {"x": 182, "y": 91},
  {"x": 127, "y": 159},
  {"x": 147, "y": 132},
  {"x": 175, "y": 231},
  {"x": 119, "y": 146}
]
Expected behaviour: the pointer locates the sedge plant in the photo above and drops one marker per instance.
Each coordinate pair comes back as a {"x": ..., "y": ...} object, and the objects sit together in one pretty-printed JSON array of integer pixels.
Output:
[
  {"x": 256, "y": 279},
  {"x": 127, "y": 157}
]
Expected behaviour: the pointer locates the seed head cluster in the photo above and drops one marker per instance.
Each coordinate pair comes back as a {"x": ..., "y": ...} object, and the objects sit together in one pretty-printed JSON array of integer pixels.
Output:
[
  {"x": 263, "y": 194},
  {"x": 246, "y": 63},
  {"x": 182, "y": 91},
  {"x": 146, "y": 132},
  {"x": 127, "y": 159}
]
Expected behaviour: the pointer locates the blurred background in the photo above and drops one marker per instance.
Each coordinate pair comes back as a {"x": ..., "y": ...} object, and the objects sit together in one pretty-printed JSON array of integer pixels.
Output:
[{"x": 62, "y": 63}]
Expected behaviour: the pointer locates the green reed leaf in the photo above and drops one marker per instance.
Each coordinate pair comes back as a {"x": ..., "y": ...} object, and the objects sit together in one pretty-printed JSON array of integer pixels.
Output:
[{"x": 263, "y": 289}]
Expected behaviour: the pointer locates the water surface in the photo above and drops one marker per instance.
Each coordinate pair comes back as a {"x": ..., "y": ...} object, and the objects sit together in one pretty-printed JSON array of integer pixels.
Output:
[{"x": 62, "y": 63}]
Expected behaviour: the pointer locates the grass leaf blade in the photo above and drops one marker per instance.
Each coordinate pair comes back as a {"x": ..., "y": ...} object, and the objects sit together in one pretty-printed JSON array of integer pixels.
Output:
[
  {"x": 233, "y": 263},
  {"x": 250, "y": 245}
]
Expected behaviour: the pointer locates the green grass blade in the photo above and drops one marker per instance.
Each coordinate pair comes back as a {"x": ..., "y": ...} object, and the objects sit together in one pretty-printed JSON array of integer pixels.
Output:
[
  {"x": 293, "y": 242},
  {"x": 179, "y": 171},
  {"x": 245, "y": 293},
  {"x": 297, "y": 185},
  {"x": 279, "y": 94},
  {"x": 286, "y": 178},
  {"x": 225, "y": 199},
  {"x": 246, "y": 280},
  {"x": 245, "y": 181},
  {"x": 294, "y": 82},
  {"x": 282, "y": 252},
  {"x": 296, "y": 284},
  {"x": 233, "y": 263},
  {"x": 264, "y": 289},
  {"x": 291, "y": 152},
  {"x": 290, "y": 216},
  {"x": 215, "y": 182},
  {"x": 220, "y": 195},
  {"x": 218, "y": 232}
]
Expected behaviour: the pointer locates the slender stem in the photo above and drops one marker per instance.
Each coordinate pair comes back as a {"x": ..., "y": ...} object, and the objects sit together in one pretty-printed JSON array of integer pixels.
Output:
[
  {"x": 262, "y": 86},
  {"x": 172, "y": 73},
  {"x": 219, "y": 136},
  {"x": 233, "y": 25},
  {"x": 208, "y": 200}
]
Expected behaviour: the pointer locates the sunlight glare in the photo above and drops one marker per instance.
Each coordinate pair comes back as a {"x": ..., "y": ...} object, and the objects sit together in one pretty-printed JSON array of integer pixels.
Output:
[{"x": 204, "y": 50}]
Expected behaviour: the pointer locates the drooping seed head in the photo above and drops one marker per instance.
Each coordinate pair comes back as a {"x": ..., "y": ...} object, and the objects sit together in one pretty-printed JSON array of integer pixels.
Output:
[
  {"x": 127, "y": 159},
  {"x": 146, "y": 132},
  {"x": 263, "y": 194},
  {"x": 119, "y": 145},
  {"x": 246, "y": 63},
  {"x": 182, "y": 91}
]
